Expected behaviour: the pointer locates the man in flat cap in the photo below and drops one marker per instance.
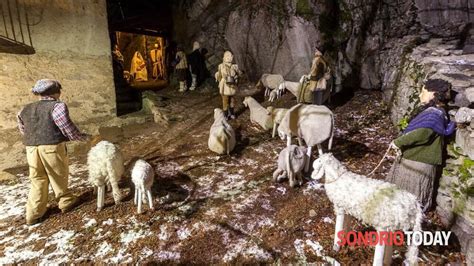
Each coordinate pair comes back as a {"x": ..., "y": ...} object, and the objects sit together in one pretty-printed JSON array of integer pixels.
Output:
[{"x": 46, "y": 126}]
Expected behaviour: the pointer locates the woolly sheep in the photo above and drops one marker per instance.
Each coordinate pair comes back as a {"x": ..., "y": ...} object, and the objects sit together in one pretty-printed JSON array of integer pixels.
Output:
[
  {"x": 221, "y": 135},
  {"x": 277, "y": 116},
  {"x": 105, "y": 165},
  {"x": 270, "y": 82},
  {"x": 291, "y": 163},
  {"x": 142, "y": 177},
  {"x": 291, "y": 86},
  {"x": 258, "y": 114},
  {"x": 273, "y": 95},
  {"x": 294, "y": 88},
  {"x": 312, "y": 123},
  {"x": 374, "y": 202}
]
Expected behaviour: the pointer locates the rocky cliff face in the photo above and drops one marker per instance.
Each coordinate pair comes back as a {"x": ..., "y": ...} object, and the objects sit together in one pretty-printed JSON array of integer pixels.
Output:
[{"x": 364, "y": 40}]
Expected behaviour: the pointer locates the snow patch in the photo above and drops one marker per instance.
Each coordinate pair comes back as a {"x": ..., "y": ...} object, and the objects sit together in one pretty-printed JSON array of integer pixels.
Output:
[
  {"x": 167, "y": 256},
  {"x": 246, "y": 249},
  {"x": 183, "y": 233},
  {"x": 282, "y": 190},
  {"x": 104, "y": 249},
  {"x": 312, "y": 186},
  {"x": 328, "y": 220},
  {"x": 108, "y": 222},
  {"x": 132, "y": 236},
  {"x": 89, "y": 222},
  {"x": 163, "y": 234}
]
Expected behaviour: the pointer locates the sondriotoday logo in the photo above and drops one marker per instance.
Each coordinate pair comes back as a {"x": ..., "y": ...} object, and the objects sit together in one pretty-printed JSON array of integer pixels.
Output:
[{"x": 396, "y": 238}]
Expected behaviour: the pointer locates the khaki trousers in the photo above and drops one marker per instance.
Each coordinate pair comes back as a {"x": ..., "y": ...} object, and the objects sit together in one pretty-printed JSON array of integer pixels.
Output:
[
  {"x": 48, "y": 164},
  {"x": 227, "y": 101}
]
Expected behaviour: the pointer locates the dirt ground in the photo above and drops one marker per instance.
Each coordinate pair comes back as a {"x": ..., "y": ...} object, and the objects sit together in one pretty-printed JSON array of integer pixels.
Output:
[{"x": 210, "y": 209}]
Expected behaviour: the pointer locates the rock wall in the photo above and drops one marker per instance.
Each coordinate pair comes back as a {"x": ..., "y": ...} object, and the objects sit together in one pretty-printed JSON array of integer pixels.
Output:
[
  {"x": 264, "y": 37},
  {"x": 364, "y": 40},
  {"x": 444, "y": 59},
  {"x": 455, "y": 199},
  {"x": 71, "y": 44}
]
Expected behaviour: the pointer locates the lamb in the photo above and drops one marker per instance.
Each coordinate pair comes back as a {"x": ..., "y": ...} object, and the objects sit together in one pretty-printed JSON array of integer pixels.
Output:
[
  {"x": 258, "y": 114},
  {"x": 270, "y": 82},
  {"x": 273, "y": 95},
  {"x": 277, "y": 116},
  {"x": 374, "y": 202},
  {"x": 312, "y": 123},
  {"x": 142, "y": 177},
  {"x": 221, "y": 135},
  {"x": 105, "y": 165},
  {"x": 291, "y": 163}
]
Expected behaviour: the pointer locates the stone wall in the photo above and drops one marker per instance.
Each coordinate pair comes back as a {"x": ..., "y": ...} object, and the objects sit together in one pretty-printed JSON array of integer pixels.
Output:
[
  {"x": 444, "y": 59},
  {"x": 71, "y": 43}
]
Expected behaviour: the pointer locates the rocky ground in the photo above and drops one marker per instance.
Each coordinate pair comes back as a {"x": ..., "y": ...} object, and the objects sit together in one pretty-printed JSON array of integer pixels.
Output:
[{"x": 209, "y": 208}]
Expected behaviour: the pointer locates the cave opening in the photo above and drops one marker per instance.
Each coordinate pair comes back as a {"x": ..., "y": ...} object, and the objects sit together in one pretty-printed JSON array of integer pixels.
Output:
[{"x": 140, "y": 46}]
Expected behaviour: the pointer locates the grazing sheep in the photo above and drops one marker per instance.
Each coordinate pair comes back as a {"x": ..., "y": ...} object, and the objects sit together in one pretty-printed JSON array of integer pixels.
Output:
[
  {"x": 258, "y": 114},
  {"x": 105, "y": 164},
  {"x": 291, "y": 164},
  {"x": 312, "y": 123},
  {"x": 291, "y": 86},
  {"x": 221, "y": 135},
  {"x": 142, "y": 177},
  {"x": 270, "y": 82},
  {"x": 277, "y": 115},
  {"x": 294, "y": 88},
  {"x": 374, "y": 202}
]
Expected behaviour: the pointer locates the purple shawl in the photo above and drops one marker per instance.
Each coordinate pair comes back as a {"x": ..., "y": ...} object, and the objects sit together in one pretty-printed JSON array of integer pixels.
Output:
[{"x": 433, "y": 118}]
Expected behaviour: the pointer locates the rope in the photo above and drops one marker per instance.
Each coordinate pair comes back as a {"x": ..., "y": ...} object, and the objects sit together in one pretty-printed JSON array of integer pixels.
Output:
[{"x": 381, "y": 161}]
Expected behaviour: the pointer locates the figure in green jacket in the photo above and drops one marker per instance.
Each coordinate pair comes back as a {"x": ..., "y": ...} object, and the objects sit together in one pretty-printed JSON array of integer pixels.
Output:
[{"x": 422, "y": 143}]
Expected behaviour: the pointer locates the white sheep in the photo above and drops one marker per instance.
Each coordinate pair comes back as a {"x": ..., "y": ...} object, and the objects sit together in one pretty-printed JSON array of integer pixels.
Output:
[
  {"x": 258, "y": 114},
  {"x": 294, "y": 88},
  {"x": 277, "y": 116},
  {"x": 312, "y": 123},
  {"x": 270, "y": 82},
  {"x": 142, "y": 177},
  {"x": 291, "y": 86},
  {"x": 273, "y": 95},
  {"x": 291, "y": 162},
  {"x": 105, "y": 165},
  {"x": 221, "y": 135},
  {"x": 374, "y": 202}
]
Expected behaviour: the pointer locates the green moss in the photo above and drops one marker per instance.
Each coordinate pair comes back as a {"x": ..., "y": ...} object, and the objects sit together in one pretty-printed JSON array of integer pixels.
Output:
[
  {"x": 459, "y": 204},
  {"x": 304, "y": 10},
  {"x": 378, "y": 198},
  {"x": 468, "y": 163},
  {"x": 454, "y": 151},
  {"x": 415, "y": 72},
  {"x": 403, "y": 123},
  {"x": 461, "y": 191}
]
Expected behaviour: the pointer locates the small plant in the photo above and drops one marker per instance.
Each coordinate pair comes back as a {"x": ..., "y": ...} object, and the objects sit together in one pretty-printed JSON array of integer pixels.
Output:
[{"x": 403, "y": 123}]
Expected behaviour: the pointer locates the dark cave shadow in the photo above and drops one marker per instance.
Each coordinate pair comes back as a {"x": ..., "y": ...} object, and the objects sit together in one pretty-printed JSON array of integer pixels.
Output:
[
  {"x": 170, "y": 189},
  {"x": 344, "y": 149},
  {"x": 341, "y": 98},
  {"x": 257, "y": 241}
]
